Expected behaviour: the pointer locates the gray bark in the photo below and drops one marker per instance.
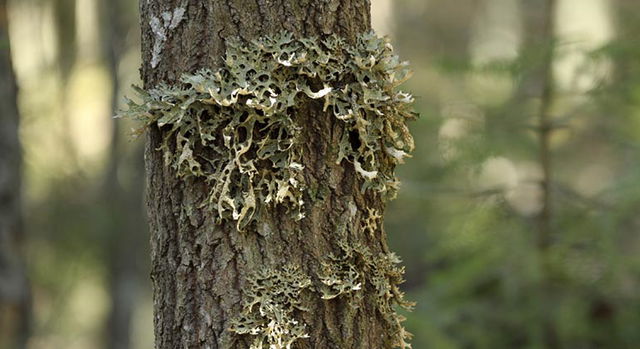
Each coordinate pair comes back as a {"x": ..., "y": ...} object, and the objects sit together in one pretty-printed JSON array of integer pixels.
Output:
[{"x": 200, "y": 269}]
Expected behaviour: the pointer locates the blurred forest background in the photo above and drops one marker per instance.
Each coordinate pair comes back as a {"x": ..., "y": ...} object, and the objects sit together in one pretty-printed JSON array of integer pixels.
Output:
[{"x": 518, "y": 219}]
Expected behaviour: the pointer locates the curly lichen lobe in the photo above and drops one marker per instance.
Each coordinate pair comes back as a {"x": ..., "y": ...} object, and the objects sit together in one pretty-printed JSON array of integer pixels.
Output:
[
  {"x": 355, "y": 269},
  {"x": 269, "y": 316},
  {"x": 239, "y": 128}
]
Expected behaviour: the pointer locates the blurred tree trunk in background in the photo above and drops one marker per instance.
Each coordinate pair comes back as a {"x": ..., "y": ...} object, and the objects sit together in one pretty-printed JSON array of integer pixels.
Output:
[
  {"x": 64, "y": 15},
  {"x": 537, "y": 84},
  {"x": 627, "y": 19},
  {"x": 15, "y": 298},
  {"x": 122, "y": 194},
  {"x": 442, "y": 28},
  {"x": 536, "y": 47},
  {"x": 200, "y": 269},
  {"x": 449, "y": 25}
]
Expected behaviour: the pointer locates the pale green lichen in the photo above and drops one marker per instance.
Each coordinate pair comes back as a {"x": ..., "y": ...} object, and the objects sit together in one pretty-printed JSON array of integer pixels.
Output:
[
  {"x": 269, "y": 314},
  {"x": 386, "y": 276},
  {"x": 239, "y": 128},
  {"x": 340, "y": 275},
  {"x": 371, "y": 222},
  {"x": 357, "y": 268}
]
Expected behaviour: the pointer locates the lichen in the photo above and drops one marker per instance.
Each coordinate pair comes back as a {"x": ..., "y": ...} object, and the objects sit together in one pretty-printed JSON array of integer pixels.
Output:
[
  {"x": 371, "y": 221},
  {"x": 269, "y": 314},
  {"x": 354, "y": 269},
  {"x": 341, "y": 275},
  {"x": 386, "y": 275},
  {"x": 161, "y": 26},
  {"x": 239, "y": 128}
]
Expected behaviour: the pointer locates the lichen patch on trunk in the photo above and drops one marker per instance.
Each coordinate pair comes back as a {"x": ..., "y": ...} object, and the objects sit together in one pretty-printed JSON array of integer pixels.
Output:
[
  {"x": 269, "y": 314},
  {"x": 161, "y": 27},
  {"x": 238, "y": 128},
  {"x": 349, "y": 273}
]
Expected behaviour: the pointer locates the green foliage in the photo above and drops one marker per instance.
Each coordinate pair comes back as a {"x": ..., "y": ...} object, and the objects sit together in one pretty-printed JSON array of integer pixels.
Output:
[
  {"x": 240, "y": 128},
  {"x": 488, "y": 283},
  {"x": 269, "y": 314}
]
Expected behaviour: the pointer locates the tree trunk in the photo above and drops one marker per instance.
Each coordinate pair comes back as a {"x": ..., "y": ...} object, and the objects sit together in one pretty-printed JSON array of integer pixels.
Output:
[
  {"x": 15, "y": 300},
  {"x": 204, "y": 273}
]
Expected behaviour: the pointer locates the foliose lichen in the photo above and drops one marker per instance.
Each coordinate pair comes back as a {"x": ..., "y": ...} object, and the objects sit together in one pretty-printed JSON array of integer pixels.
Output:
[
  {"x": 372, "y": 221},
  {"x": 161, "y": 27},
  {"x": 356, "y": 268},
  {"x": 239, "y": 127},
  {"x": 341, "y": 274},
  {"x": 269, "y": 314}
]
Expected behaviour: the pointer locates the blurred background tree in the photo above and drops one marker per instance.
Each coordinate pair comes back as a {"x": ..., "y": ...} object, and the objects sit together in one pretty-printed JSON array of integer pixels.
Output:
[
  {"x": 529, "y": 177},
  {"x": 517, "y": 219},
  {"x": 83, "y": 177},
  {"x": 15, "y": 293}
]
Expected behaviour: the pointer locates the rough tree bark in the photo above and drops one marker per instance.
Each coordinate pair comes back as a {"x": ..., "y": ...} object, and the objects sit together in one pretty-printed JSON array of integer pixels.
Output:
[
  {"x": 15, "y": 300},
  {"x": 200, "y": 270}
]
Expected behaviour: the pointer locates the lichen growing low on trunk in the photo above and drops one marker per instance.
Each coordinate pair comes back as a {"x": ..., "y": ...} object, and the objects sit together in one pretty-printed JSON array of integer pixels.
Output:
[
  {"x": 355, "y": 269},
  {"x": 269, "y": 315},
  {"x": 239, "y": 127}
]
